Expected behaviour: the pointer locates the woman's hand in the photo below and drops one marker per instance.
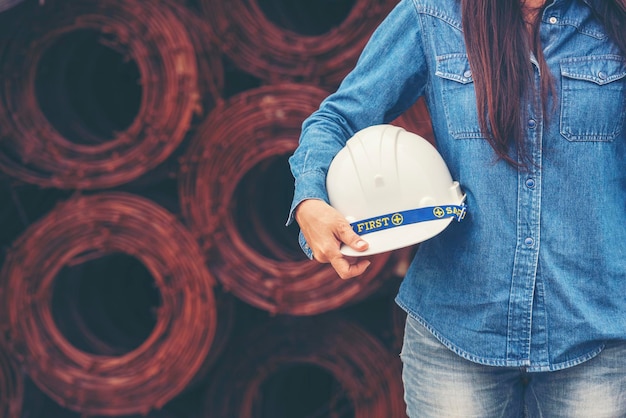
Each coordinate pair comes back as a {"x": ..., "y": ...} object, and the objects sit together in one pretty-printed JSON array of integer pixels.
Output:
[{"x": 325, "y": 229}]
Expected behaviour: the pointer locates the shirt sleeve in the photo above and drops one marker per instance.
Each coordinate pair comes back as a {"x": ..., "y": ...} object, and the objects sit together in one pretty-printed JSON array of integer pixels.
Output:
[{"x": 388, "y": 78}]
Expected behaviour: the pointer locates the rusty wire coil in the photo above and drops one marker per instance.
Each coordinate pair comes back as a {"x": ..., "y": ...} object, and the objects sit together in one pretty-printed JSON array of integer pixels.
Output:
[
  {"x": 63, "y": 125},
  {"x": 96, "y": 320},
  {"x": 38, "y": 405},
  {"x": 208, "y": 54},
  {"x": 7, "y": 4},
  {"x": 88, "y": 228},
  {"x": 226, "y": 312},
  {"x": 289, "y": 354},
  {"x": 11, "y": 385},
  {"x": 277, "y": 40},
  {"x": 235, "y": 191}
]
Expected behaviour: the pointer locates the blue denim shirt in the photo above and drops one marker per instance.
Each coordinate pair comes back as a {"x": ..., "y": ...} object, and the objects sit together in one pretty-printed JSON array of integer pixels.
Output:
[{"x": 535, "y": 276}]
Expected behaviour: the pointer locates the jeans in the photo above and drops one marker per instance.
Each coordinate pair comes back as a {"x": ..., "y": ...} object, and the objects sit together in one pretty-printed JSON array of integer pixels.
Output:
[{"x": 439, "y": 384}]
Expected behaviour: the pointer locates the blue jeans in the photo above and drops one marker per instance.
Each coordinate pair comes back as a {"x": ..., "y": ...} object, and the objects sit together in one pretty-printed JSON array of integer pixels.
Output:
[{"x": 440, "y": 384}]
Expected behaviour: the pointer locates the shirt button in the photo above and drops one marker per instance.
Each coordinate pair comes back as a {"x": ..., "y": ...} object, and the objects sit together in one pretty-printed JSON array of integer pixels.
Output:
[
  {"x": 532, "y": 123},
  {"x": 530, "y": 183},
  {"x": 553, "y": 20},
  {"x": 467, "y": 73},
  {"x": 602, "y": 75},
  {"x": 529, "y": 242}
]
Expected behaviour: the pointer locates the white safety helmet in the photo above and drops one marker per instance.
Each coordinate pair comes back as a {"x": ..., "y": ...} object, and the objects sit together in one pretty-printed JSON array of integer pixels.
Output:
[{"x": 394, "y": 188}]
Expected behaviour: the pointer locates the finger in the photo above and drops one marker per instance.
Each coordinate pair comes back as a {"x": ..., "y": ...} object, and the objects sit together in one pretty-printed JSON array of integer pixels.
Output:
[
  {"x": 348, "y": 268},
  {"x": 352, "y": 239}
]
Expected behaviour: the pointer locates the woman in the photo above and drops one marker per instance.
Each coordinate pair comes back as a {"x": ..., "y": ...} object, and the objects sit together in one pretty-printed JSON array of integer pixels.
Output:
[{"x": 519, "y": 310}]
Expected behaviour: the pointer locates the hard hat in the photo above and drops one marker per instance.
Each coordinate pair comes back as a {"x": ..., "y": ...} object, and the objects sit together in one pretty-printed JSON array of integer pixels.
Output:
[{"x": 394, "y": 188}]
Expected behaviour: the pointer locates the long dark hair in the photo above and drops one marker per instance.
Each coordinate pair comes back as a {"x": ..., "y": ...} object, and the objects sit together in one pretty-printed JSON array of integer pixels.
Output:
[{"x": 497, "y": 44}]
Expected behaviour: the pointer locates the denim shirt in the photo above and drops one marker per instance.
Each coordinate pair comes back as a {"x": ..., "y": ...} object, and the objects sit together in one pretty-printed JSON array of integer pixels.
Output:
[{"x": 535, "y": 275}]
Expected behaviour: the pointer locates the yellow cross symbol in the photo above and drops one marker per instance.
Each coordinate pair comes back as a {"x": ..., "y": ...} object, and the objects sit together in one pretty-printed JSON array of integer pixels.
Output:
[
  {"x": 397, "y": 219},
  {"x": 438, "y": 212}
]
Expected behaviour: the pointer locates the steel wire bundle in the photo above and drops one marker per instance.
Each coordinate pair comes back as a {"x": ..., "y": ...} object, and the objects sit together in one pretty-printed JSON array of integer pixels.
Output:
[
  {"x": 260, "y": 38},
  {"x": 368, "y": 375},
  {"x": 110, "y": 313},
  {"x": 38, "y": 405},
  {"x": 208, "y": 54},
  {"x": 146, "y": 37},
  {"x": 87, "y": 228},
  {"x": 11, "y": 386},
  {"x": 7, "y": 4},
  {"x": 235, "y": 189},
  {"x": 225, "y": 327}
]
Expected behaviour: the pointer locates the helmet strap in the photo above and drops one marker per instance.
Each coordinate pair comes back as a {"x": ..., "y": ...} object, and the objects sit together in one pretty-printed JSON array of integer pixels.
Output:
[{"x": 407, "y": 217}]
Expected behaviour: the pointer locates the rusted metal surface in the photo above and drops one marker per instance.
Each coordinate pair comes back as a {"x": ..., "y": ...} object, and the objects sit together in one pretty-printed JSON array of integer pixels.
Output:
[
  {"x": 223, "y": 158},
  {"x": 90, "y": 227},
  {"x": 367, "y": 375},
  {"x": 206, "y": 46},
  {"x": 11, "y": 385},
  {"x": 150, "y": 36},
  {"x": 38, "y": 405},
  {"x": 7, "y": 4},
  {"x": 260, "y": 38},
  {"x": 226, "y": 324},
  {"x": 223, "y": 206}
]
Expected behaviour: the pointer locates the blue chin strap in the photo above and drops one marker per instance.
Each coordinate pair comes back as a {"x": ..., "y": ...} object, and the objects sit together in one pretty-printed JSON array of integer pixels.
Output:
[{"x": 407, "y": 217}]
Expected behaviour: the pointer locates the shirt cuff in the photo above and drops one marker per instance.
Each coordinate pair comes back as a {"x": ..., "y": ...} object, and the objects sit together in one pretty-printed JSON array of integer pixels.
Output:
[
  {"x": 308, "y": 186},
  {"x": 305, "y": 246}
]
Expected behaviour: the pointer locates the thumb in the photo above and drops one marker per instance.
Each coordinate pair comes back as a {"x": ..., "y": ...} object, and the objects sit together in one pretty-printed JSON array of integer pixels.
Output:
[{"x": 354, "y": 241}]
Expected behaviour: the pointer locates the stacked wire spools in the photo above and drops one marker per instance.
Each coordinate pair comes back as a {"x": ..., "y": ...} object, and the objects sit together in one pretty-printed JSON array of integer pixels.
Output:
[
  {"x": 138, "y": 56},
  {"x": 163, "y": 128},
  {"x": 107, "y": 91},
  {"x": 294, "y": 41},
  {"x": 364, "y": 373},
  {"x": 93, "y": 227},
  {"x": 232, "y": 200}
]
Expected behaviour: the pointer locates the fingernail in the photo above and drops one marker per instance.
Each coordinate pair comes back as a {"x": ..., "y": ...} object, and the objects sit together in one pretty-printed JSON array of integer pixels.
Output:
[{"x": 361, "y": 244}]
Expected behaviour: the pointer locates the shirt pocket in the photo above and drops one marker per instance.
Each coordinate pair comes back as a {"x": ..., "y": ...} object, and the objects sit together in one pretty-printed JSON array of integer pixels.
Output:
[
  {"x": 458, "y": 95},
  {"x": 593, "y": 98}
]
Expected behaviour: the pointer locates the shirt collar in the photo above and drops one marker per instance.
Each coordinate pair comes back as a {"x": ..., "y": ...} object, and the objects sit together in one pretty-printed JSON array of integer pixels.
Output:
[{"x": 589, "y": 3}]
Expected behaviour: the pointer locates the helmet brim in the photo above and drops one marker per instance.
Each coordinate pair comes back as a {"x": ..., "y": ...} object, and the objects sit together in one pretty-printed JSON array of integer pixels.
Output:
[{"x": 400, "y": 237}]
